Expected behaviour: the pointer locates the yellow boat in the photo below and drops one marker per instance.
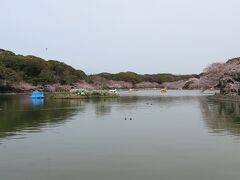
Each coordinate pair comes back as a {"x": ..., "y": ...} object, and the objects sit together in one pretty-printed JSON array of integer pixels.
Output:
[{"x": 163, "y": 90}]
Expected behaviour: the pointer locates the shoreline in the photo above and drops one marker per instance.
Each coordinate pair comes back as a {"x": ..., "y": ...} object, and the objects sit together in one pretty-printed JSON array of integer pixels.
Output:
[
  {"x": 23, "y": 87},
  {"x": 121, "y": 89}
]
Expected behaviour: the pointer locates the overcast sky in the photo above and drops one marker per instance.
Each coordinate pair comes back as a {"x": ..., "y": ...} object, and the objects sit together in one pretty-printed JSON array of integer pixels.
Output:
[{"x": 145, "y": 36}]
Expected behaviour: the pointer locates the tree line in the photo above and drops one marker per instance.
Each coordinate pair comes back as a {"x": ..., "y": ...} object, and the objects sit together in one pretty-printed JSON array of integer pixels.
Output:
[
  {"x": 18, "y": 68},
  {"x": 35, "y": 70},
  {"x": 138, "y": 78}
]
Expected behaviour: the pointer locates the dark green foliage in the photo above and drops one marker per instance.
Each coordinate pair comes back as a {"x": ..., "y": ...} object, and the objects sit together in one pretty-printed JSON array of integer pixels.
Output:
[
  {"x": 123, "y": 76},
  {"x": 137, "y": 78},
  {"x": 8, "y": 75},
  {"x": 171, "y": 77},
  {"x": 159, "y": 78},
  {"x": 15, "y": 68},
  {"x": 2, "y": 51},
  {"x": 35, "y": 70}
]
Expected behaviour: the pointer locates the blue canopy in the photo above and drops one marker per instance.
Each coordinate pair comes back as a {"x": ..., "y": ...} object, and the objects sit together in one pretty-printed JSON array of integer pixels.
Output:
[{"x": 37, "y": 94}]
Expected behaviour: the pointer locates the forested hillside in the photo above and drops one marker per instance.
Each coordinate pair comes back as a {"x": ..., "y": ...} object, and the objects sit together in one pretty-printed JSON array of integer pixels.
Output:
[
  {"x": 15, "y": 68},
  {"x": 25, "y": 73},
  {"x": 138, "y": 78}
]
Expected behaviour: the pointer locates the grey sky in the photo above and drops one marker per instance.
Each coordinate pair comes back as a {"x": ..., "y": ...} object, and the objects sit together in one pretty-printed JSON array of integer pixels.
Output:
[{"x": 145, "y": 36}]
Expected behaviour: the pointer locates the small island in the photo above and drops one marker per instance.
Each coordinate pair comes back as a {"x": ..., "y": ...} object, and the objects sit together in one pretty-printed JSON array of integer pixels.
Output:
[{"x": 84, "y": 94}]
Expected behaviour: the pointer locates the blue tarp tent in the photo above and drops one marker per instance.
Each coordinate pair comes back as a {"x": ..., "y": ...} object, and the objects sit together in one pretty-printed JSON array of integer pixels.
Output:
[{"x": 37, "y": 94}]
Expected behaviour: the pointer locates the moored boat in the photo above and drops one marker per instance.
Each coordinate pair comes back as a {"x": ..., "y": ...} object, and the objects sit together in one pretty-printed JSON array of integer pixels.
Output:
[
  {"x": 163, "y": 90},
  {"x": 37, "y": 95}
]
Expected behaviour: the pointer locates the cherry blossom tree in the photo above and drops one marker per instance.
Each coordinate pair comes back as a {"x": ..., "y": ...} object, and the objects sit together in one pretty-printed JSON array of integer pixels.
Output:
[{"x": 224, "y": 75}]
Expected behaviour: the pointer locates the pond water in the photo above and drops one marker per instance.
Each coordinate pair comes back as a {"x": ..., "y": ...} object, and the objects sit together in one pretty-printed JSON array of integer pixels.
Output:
[{"x": 143, "y": 135}]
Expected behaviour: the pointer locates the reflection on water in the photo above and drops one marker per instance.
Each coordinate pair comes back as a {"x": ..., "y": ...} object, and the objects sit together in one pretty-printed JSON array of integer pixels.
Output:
[
  {"x": 168, "y": 138},
  {"x": 222, "y": 117},
  {"x": 21, "y": 114},
  {"x": 37, "y": 102}
]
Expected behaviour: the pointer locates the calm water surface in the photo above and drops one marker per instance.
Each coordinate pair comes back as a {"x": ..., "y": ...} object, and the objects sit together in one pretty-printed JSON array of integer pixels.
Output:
[{"x": 180, "y": 135}]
